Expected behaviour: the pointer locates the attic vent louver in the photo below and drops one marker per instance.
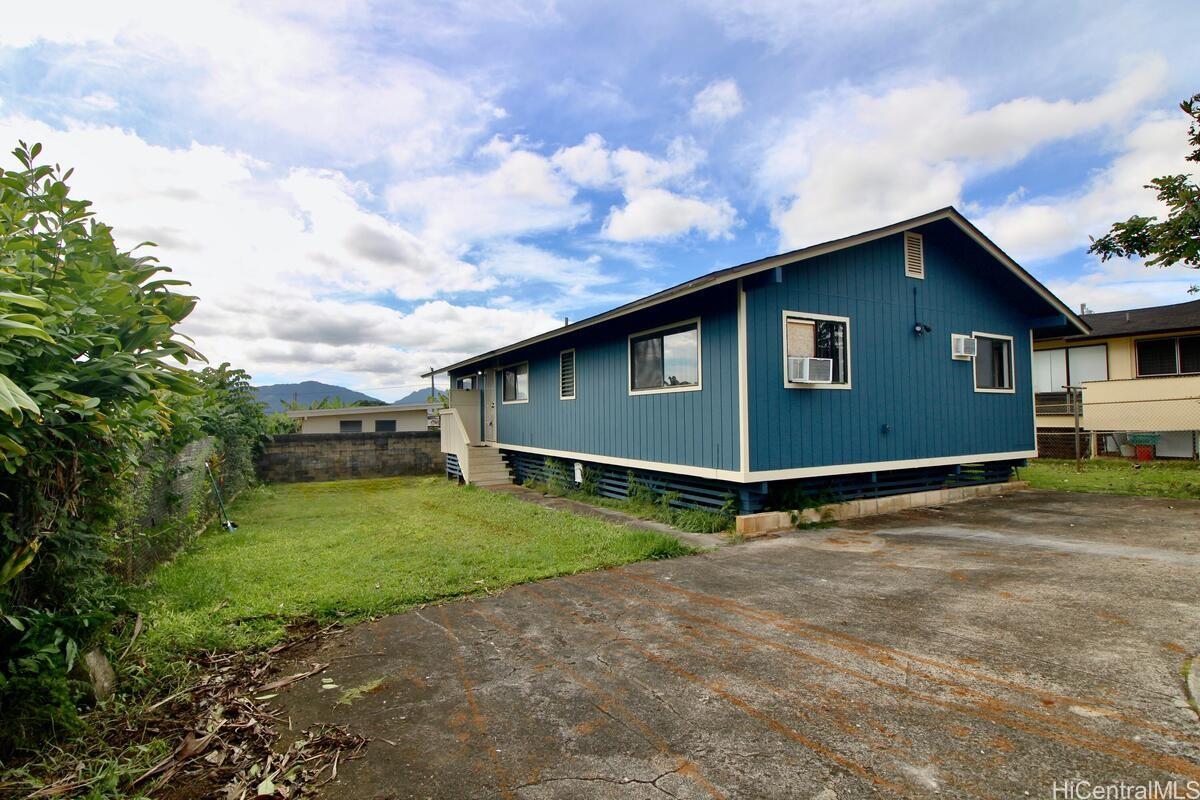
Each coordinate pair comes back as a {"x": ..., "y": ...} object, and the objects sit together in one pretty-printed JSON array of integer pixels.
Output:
[
  {"x": 566, "y": 375},
  {"x": 914, "y": 255}
]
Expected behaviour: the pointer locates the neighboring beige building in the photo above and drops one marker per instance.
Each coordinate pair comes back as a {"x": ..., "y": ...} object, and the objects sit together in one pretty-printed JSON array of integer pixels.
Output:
[
  {"x": 365, "y": 419},
  {"x": 1140, "y": 373}
]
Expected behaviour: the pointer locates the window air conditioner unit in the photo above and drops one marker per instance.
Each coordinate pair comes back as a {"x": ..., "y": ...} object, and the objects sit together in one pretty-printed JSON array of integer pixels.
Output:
[
  {"x": 810, "y": 370},
  {"x": 964, "y": 346}
]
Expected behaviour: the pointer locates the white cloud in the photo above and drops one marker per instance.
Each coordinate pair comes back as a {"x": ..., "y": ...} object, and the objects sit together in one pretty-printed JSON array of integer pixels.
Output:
[
  {"x": 861, "y": 160},
  {"x": 1043, "y": 227},
  {"x": 659, "y": 214},
  {"x": 719, "y": 101},
  {"x": 1121, "y": 284},
  {"x": 296, "y": 71},
  {"x": 783, "y": 22},
  {"x": 281, "y": 262},
  {"x": 588, "y": 163},
  {"x": 521, "y": 192},
  {"x": 652, "y": 211},
  {"x": 577, "y": 278}
]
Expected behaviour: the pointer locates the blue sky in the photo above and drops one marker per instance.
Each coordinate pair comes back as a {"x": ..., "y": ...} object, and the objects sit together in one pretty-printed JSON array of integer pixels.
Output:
[{"x": 358, "y": 190}]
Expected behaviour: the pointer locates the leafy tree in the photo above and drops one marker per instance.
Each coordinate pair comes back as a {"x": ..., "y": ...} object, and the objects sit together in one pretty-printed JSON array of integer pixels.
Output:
[
  {"x": 90, "y": 364},
  {"x": 1174, "y": 240}
]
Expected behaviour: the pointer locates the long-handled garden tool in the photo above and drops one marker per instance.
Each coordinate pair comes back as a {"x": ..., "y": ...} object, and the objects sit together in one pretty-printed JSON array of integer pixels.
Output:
[{"x": 226, "y": 522}]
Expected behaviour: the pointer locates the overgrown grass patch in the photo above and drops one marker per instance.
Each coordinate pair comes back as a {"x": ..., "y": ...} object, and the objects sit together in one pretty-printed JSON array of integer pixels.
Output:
[
  {"x": 305, "y": 555},
  {"x": 355, "y": 549},
  {"x": 1112, "y": 476}
]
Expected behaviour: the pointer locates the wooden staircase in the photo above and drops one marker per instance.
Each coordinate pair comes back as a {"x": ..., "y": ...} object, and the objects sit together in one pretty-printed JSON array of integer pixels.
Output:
[{"x": 487, "y": 468}]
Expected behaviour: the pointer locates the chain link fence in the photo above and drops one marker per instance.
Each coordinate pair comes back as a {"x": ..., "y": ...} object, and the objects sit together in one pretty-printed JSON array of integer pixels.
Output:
[{"x": 1140, "y": 427}]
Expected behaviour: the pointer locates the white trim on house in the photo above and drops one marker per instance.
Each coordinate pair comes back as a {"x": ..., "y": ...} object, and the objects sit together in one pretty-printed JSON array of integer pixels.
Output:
[
  {"x": 752, "y": 476},
  {"x": 754, "y": 267},
  {"x": 1033, "y": 388},
  {"x": 574, "y": 374},
  {"x": 803, "y": 316},
  {"x": 1012, "y": 365},
  {"x": 743, "y": 382},
  {"x": 691, "y": 387},
  {"x": 875, "y": 466},
  {"x": 528, "y": 383}
]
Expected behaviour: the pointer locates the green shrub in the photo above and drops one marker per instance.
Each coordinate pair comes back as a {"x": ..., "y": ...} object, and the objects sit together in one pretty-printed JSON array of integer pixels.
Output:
[
  {"x": 558, "y": 476},
  {"x": 590, "y": 485},
  {"x": 95, "y": 403}
]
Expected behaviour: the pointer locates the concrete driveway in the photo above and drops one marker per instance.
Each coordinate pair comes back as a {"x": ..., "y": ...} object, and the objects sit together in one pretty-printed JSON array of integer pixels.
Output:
[{"x": 987, "y": 649}]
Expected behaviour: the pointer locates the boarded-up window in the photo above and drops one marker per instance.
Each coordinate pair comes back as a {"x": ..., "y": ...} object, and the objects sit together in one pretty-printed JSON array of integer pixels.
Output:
[
  {"x": 566, "y": 375},
  {"x": 801, "y": 338}
]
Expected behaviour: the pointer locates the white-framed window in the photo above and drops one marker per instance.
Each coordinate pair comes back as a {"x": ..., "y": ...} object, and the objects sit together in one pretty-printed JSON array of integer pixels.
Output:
[
  {"x": 993, "y": 363},
  {"x": 807, "y": 335},
  {"x": 566, "y": 375},
  {"x": 665, "y": 359},
  {"x": 515, "y": 382}
]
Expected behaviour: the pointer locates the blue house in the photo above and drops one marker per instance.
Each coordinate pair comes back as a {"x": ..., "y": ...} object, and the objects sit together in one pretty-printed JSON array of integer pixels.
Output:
[{"x": 895, "y": 360}]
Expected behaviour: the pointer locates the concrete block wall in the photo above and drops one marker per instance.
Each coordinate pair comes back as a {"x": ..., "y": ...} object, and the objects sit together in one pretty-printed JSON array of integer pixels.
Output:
[
  {"x": 751, "y": 525},
  {"x": 337, "y": 456}
]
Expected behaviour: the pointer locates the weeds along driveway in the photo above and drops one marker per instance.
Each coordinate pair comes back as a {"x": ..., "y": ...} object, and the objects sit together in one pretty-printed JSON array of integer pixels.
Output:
[{"x": 985, "y": 649}]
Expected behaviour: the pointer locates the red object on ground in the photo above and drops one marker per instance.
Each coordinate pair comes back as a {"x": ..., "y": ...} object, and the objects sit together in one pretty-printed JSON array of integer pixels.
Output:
[{"x": 1145, "y": 452}]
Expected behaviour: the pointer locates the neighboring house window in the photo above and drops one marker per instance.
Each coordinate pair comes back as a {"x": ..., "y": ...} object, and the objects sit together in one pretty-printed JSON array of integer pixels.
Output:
[
  {"x": 566, "y": 375},
  {"x": 1059, "y": 367},
  {"x": 1172, "y": 356},
  {"x": 385, "y": 426},
  {"x": 993, "y": 363},
  {"x": 350, "y": 426},
  {"x": 516, "y": 383},
  {"x": 665, "y": 359},
  {"x": 817, "y": 336},
  {"x": 465, "y": 383}
]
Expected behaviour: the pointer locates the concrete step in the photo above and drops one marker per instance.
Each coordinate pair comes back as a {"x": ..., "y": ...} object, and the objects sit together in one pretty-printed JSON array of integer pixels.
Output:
[{"x": 492, "y": 482}]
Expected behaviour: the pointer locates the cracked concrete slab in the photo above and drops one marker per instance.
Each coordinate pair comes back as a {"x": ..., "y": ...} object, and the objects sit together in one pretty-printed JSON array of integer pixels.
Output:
[{"x": 813, "y": 665}]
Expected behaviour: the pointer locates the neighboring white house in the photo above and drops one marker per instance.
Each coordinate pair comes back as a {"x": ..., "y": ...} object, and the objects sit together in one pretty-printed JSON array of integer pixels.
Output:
[{"x": 365, "y": 419}]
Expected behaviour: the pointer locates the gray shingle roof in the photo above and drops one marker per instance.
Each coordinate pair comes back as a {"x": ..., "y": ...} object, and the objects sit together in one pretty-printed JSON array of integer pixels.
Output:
[{"x": 1144, "y": 320}]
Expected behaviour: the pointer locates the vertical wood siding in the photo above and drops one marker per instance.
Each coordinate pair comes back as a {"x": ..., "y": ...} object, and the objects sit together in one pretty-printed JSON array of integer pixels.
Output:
[
  {"x": 694, "y": 428},
  {"x": 899, "y": 379}
]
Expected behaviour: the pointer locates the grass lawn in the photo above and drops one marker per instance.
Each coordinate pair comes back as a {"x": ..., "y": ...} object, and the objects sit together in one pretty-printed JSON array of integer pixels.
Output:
[
  {"x": 352, "y": 549},
  {"x": 1113, "y": 476}
]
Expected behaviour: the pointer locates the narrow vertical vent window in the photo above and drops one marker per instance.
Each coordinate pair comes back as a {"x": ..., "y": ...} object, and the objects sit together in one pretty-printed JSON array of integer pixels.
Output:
[
  {"x": 566, "y": 375},
  {"x": 914, "y": 255}
]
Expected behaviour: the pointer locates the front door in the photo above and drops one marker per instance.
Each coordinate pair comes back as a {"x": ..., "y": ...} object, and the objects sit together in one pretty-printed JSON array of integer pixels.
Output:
[{"x": 489, "y": 405}]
